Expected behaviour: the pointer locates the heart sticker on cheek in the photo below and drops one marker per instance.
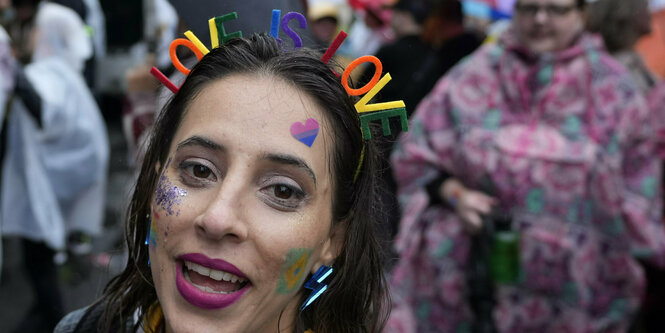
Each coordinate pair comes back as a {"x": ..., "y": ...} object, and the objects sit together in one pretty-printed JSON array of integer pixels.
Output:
[{"x": 307, "y": 132}]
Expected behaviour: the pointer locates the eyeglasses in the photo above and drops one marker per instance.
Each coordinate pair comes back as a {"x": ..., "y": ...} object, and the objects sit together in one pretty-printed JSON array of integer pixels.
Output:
[{"x": 550, "y": 10}]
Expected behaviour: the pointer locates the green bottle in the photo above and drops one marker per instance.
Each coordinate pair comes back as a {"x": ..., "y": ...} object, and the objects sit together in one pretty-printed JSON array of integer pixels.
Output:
[{"x": 505, "y": 253}]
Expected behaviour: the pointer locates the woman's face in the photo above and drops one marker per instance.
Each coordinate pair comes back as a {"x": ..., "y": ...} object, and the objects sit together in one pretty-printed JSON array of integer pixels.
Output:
[
  {"x": 242, "y": 211},
  {"x": 548, "y": 25}
]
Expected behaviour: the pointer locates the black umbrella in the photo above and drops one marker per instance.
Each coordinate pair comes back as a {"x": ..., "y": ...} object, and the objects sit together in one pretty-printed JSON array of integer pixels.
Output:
[{"x": 253, "y": 16}]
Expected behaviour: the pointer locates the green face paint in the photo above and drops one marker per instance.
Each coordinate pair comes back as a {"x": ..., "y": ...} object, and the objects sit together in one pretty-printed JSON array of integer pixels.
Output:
[
  {"x": 293, "y": 271},
  {"x": 153, "y": 234},
  {"x": 153, "y": 228}
]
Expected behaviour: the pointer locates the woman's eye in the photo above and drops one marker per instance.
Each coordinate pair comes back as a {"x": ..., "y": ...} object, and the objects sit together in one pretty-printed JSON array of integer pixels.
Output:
[
  {"x": 196, "y": 174},
  {"x": 201, "y": 171},
  {"x": 283, "y": 192},
  {"x": 285, "y": 197}
]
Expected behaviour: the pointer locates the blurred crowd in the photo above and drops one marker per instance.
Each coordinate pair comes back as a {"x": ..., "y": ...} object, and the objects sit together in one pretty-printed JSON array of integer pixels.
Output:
[{"x": 526, "y": 196}]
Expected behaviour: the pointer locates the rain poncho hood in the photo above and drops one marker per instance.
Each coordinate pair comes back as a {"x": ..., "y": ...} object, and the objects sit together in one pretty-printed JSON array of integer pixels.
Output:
[{"x": 61, "y": 33}]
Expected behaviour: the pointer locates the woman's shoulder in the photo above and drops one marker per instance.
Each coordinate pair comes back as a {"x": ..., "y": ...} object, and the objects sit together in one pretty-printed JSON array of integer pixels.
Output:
[
  {"x": 83, "y": 320},
  {"x": 70, "y": 322}
]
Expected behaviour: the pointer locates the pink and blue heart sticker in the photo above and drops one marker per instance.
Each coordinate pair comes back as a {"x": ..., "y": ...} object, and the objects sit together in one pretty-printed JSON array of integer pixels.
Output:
[{"x": 307, "y": 132}]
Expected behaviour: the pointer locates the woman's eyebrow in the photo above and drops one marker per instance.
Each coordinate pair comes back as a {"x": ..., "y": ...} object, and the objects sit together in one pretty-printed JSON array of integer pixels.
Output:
[
  {"x": 201, "y": 141},
  {"x": 290, "y": 160}
]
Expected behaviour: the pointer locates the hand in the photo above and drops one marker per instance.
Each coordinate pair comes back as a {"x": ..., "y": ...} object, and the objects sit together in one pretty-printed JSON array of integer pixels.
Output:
[{"x": 469, "y": 205}]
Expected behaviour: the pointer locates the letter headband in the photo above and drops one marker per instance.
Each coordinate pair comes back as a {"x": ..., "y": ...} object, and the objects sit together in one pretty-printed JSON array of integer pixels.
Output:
[{"x": 368, "y": 112}]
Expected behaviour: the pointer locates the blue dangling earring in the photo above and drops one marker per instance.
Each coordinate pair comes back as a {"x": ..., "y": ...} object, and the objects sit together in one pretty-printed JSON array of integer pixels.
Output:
[
  {"x": 315, "y": 283},
  {"x": 147, "y": 237}
]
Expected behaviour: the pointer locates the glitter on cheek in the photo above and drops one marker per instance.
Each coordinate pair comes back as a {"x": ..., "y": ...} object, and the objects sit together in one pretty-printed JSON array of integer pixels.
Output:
[{"x": 168, "y": 195}]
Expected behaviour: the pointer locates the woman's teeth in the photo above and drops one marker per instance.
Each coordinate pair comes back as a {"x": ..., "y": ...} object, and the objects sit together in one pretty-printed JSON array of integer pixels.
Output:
[
  {"x": 213, "y": 274},
  {"x": 209, "y": 290}
]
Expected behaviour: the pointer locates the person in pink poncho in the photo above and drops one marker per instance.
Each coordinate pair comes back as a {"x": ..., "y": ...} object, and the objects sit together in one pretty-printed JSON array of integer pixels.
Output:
[{"x": 547, "y": 128}]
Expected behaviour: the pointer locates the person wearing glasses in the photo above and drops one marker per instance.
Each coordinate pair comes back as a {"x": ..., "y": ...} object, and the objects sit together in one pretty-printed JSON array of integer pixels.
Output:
[{"x": 547, "y": 128}]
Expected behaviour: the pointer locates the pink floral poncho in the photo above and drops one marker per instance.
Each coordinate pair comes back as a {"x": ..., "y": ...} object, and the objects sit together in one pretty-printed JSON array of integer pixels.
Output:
[{"x": 565, "y": 143}]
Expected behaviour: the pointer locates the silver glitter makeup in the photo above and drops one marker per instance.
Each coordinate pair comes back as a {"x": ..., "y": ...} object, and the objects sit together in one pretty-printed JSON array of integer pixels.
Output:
[{"x": 167, "y": 195}]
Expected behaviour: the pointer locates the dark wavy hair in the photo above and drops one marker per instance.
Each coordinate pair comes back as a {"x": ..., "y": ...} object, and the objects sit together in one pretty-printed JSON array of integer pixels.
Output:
[{"x": 357, "y": 299}]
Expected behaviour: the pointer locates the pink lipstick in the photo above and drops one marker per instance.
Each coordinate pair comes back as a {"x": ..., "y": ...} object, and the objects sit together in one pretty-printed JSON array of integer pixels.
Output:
[{"x": 209, "y": 283}]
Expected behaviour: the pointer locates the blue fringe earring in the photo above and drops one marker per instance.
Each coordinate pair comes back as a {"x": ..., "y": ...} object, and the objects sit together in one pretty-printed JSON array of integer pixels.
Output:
[{"x": 316, "y": 285}]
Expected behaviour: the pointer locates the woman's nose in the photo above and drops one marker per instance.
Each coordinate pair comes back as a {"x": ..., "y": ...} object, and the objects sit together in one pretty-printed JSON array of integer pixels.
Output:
[
  {"x": 225, "y": 216},
  {"x": 541, "y": 15}
]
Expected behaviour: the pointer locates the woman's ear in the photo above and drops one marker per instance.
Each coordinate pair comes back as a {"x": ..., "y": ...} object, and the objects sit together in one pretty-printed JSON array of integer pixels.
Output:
[
  {"x": 332, "y": 246},
  {"x": 157, "y": 166}
]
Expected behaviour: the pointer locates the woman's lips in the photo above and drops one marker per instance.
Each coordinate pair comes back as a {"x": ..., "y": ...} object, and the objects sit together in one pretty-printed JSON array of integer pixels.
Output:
[
  {"x": 220, "y": 283},
  {"x": 216, "y": 264}
]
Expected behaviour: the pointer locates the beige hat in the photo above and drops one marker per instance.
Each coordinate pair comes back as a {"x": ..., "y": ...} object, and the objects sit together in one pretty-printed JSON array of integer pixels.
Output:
[{"x": 320, "y": 10}]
